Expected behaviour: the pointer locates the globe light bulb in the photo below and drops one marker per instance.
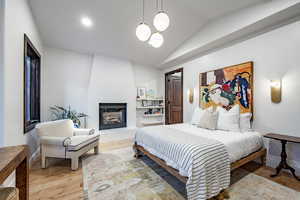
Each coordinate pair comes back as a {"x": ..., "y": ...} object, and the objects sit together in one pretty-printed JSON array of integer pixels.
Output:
[
  {"x": 156, "y": 40},
  {"x": 161, "y": 21},
  {"x": 143, "y": 32}
]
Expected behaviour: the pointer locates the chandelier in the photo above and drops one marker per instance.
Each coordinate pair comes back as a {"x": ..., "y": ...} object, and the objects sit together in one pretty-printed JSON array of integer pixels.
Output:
[{"x": 161, "y": 22}]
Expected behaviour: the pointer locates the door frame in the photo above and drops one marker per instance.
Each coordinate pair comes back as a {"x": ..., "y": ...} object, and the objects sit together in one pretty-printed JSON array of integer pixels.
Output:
[{"x": 166, "y": 93}]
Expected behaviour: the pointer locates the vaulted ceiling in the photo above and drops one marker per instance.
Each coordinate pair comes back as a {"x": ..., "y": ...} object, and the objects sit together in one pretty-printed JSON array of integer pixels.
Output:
[{"x": 113, "y": 33}]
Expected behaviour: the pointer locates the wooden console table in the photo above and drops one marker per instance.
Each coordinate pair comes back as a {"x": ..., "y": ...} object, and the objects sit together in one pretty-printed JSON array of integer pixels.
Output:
[
  {"x": 16, "y": 158},
  {"x": 283, "y": 163}
]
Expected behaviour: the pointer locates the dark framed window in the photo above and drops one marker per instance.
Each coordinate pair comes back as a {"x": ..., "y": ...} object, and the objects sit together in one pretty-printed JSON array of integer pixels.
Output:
[{"x": 32, "y": 85}]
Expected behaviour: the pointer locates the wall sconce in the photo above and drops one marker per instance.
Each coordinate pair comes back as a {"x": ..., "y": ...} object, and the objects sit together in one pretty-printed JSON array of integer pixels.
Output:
[
  {"x": 276, "y": 91},
  {"x": 191, "y": 95}
]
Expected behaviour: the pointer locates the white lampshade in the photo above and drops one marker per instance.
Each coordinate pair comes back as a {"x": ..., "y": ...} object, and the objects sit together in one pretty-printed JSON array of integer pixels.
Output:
[
  {"x": 156, "y": 40},
  {"x": 161, "y": 21},
  {"x": 143, "y": 32}
]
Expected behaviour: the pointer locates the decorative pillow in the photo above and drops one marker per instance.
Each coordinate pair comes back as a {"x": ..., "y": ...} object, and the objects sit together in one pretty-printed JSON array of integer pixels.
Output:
[
  {"x": 245, "y": 122},
  {"x": 208, "y": 120},
  {"x": 229, "y": 120},
  {"x": 196, "y": 116},
  {"x": 92, "y": 131},
  {"x": 198, "y": 112}
]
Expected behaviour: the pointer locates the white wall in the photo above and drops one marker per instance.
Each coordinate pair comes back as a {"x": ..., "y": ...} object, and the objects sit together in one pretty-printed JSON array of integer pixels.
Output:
[
  {"x": 112, "y": 81},
  {"x": 149, "y": 77},
  {"x": 65, "y": 79},
  {"x": 1, "y": 72},
  {"x": 275, "y": 55},
  {"x": 83, "y": 81},
  {"x": 18, "y": 20}
]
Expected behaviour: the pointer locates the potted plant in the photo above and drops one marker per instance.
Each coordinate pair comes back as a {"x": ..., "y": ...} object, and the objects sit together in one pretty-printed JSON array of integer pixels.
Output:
[{"x": 59, "y": 112}]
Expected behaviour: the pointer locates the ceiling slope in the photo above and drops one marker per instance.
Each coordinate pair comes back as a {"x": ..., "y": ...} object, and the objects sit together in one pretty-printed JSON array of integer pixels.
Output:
[
  {"x": 113, "y": 33},
  {"x": 234, "y": 28}
]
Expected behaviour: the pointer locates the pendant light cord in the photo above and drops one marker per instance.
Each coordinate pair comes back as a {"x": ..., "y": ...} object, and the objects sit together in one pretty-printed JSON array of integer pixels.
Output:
[
  {"x": 143, "y": 11},
  {"x": 162, "y": 5}
]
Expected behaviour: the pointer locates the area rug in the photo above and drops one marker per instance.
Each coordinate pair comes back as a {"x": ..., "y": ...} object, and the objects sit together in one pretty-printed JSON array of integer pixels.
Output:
[{"x": 116, "y": 175}]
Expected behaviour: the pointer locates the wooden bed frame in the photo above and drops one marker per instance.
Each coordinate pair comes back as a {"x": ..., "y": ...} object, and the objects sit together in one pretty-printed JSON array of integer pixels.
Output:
[{"x": 139, "y": 151}]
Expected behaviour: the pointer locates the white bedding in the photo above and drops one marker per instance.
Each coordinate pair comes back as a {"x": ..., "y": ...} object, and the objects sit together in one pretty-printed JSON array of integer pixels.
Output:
[
  {"x": 203, "y": 160},
  {"x": 238, "y": 144},
  {"x": 202, "y": 155}
]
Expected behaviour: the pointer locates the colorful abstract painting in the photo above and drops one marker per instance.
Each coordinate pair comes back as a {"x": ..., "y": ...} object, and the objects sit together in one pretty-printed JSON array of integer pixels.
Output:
[{"x": 227, "y": 87}]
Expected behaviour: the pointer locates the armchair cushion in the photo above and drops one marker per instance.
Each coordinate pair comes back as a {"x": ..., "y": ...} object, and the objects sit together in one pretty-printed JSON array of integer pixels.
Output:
[
  {"x": 77, "y": 142},
  {"x": 59, "y": 128},
  {"x": 73, "y": 143},
  {"x": 59, "y": 141}
]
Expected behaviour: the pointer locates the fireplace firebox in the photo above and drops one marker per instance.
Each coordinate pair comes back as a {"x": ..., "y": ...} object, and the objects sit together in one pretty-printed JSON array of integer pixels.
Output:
[{"x": 112, "y": 115}]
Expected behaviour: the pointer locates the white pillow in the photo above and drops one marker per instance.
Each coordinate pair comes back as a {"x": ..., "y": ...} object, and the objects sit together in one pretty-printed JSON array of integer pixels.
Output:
[
  {"x": 245, "y": 122},
  {"x": 229, "y": 120},
  {"x": 196, "y": 116},
  {"x": 198, "y": 112},
  {"x": 209, "y": 120}
]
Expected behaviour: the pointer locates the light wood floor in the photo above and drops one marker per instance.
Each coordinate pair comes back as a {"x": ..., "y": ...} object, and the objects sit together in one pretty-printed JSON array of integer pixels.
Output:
[
  {"x": 57, "y": 181},
  {"x": 60, "y": 183}
]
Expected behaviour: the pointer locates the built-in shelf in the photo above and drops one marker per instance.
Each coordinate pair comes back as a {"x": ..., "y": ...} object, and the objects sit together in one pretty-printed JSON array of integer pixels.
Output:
[
  {"x": 153, "y": 105},
  {"x": 147, "y": 107},
  {"x": 153, "y": 115}
]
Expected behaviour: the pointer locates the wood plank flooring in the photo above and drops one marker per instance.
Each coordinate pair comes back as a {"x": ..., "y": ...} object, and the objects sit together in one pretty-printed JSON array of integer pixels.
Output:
[
  {"x": 60, "y": 183},
  {"x": 57, "y": 181},
  {"x": 284, "y": 178}
]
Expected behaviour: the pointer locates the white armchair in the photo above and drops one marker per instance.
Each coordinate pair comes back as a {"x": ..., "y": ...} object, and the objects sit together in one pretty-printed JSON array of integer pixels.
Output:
[{"x": 59, "y": 139}]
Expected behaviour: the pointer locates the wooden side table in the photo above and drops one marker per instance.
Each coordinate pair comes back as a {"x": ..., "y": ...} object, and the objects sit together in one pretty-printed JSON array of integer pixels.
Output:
[
  {"x": 16, "y": 158},
  {"x": 283, "y": 163}
]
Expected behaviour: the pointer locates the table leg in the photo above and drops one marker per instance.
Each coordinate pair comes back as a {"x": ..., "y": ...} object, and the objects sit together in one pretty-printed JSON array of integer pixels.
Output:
[
  {"x": 278, "y": 169},
  {"x": 293, "y": 172},
  {"x": 283, "y": 163},
  {"x": 22, "y": 179}
]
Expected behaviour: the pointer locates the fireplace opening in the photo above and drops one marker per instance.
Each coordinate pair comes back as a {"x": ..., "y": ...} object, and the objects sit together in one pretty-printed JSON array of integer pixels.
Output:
[{"x": 112, "y": 115}]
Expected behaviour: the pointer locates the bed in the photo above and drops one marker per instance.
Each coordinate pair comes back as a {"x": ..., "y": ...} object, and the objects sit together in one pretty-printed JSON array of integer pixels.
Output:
[
  {"x": 163, "y": 143},
  {"x": 203, "y": 158}
]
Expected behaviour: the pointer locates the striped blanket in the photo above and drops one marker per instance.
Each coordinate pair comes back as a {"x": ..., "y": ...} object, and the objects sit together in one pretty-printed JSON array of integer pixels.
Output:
[{"x": 204, "y": 161}]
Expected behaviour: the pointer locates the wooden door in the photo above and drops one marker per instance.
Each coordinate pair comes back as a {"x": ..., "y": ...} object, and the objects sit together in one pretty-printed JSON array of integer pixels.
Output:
[{"x": 174, "y": 97}]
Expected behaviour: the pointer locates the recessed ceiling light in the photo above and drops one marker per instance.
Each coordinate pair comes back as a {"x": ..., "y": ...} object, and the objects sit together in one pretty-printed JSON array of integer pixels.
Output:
[{"x": 86, "y": 21}]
